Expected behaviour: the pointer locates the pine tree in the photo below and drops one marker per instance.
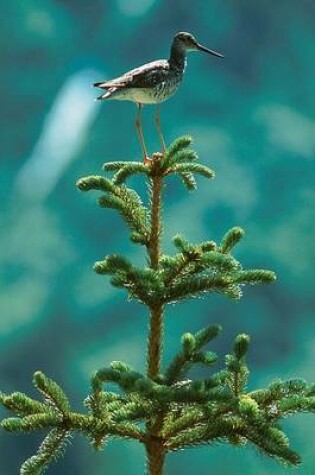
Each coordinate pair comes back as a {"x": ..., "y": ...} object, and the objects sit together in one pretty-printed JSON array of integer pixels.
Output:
[{"x": 164, "y": 409}]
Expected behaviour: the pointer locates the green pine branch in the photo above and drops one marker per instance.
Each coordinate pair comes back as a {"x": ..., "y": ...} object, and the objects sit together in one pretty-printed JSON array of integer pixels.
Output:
[
  {"x": 216, "y": 409},
  {"x": 126, "y": 201},
  {"x": 49, "y": 451},
  {"x": 164, "y": 408}
]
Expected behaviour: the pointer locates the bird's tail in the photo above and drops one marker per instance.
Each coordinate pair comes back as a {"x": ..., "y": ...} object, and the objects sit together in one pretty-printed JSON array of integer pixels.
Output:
[
  {"x": 100, "y": 84},
  {"x": 110, "y": 89},
  {"x": 103, "y": 96},
  {"x": 107, "y": 94}
]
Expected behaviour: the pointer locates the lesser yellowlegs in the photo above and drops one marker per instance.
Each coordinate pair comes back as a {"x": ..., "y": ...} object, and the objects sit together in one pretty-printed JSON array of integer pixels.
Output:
[{"x": 153, "y": 82}]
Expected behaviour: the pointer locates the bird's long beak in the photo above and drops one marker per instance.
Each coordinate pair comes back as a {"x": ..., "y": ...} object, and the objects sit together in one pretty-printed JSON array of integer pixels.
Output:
[{"x": 207, "y": 50}]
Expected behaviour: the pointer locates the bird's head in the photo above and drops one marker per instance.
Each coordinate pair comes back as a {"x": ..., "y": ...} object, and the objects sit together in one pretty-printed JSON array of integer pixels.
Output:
[{"x": 188, "y": 42}]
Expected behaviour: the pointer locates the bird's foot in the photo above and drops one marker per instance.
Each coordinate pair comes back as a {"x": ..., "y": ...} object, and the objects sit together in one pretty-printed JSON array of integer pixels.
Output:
[
  {"x": 147, "y": 160},
  {"x": 157, "y": 156}
]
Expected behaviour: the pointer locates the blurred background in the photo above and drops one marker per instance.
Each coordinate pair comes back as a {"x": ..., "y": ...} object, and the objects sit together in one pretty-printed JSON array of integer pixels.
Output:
[{"x": 252, "y": 117}]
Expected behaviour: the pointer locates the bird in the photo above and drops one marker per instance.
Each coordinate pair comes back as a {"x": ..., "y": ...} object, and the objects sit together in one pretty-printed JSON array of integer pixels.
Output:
[{"x": 153, "y": 83}]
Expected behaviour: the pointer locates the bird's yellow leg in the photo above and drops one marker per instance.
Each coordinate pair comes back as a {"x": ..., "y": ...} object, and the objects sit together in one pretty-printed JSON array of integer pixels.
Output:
[
  {"x": 138, "y": 124},
  {"x": 158, "y": 127}
]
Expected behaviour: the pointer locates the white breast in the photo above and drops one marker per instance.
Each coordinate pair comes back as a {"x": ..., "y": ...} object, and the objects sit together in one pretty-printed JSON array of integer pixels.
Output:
[{"x": 139, "y": 95}]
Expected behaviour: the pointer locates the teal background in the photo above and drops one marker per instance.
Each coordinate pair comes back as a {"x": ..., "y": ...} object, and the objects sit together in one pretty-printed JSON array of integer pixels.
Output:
[{"x": 252, "y": 117}]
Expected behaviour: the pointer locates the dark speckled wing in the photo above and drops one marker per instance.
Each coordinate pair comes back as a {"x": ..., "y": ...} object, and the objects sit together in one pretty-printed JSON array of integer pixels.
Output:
[{"x": 146, "y": 76}]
